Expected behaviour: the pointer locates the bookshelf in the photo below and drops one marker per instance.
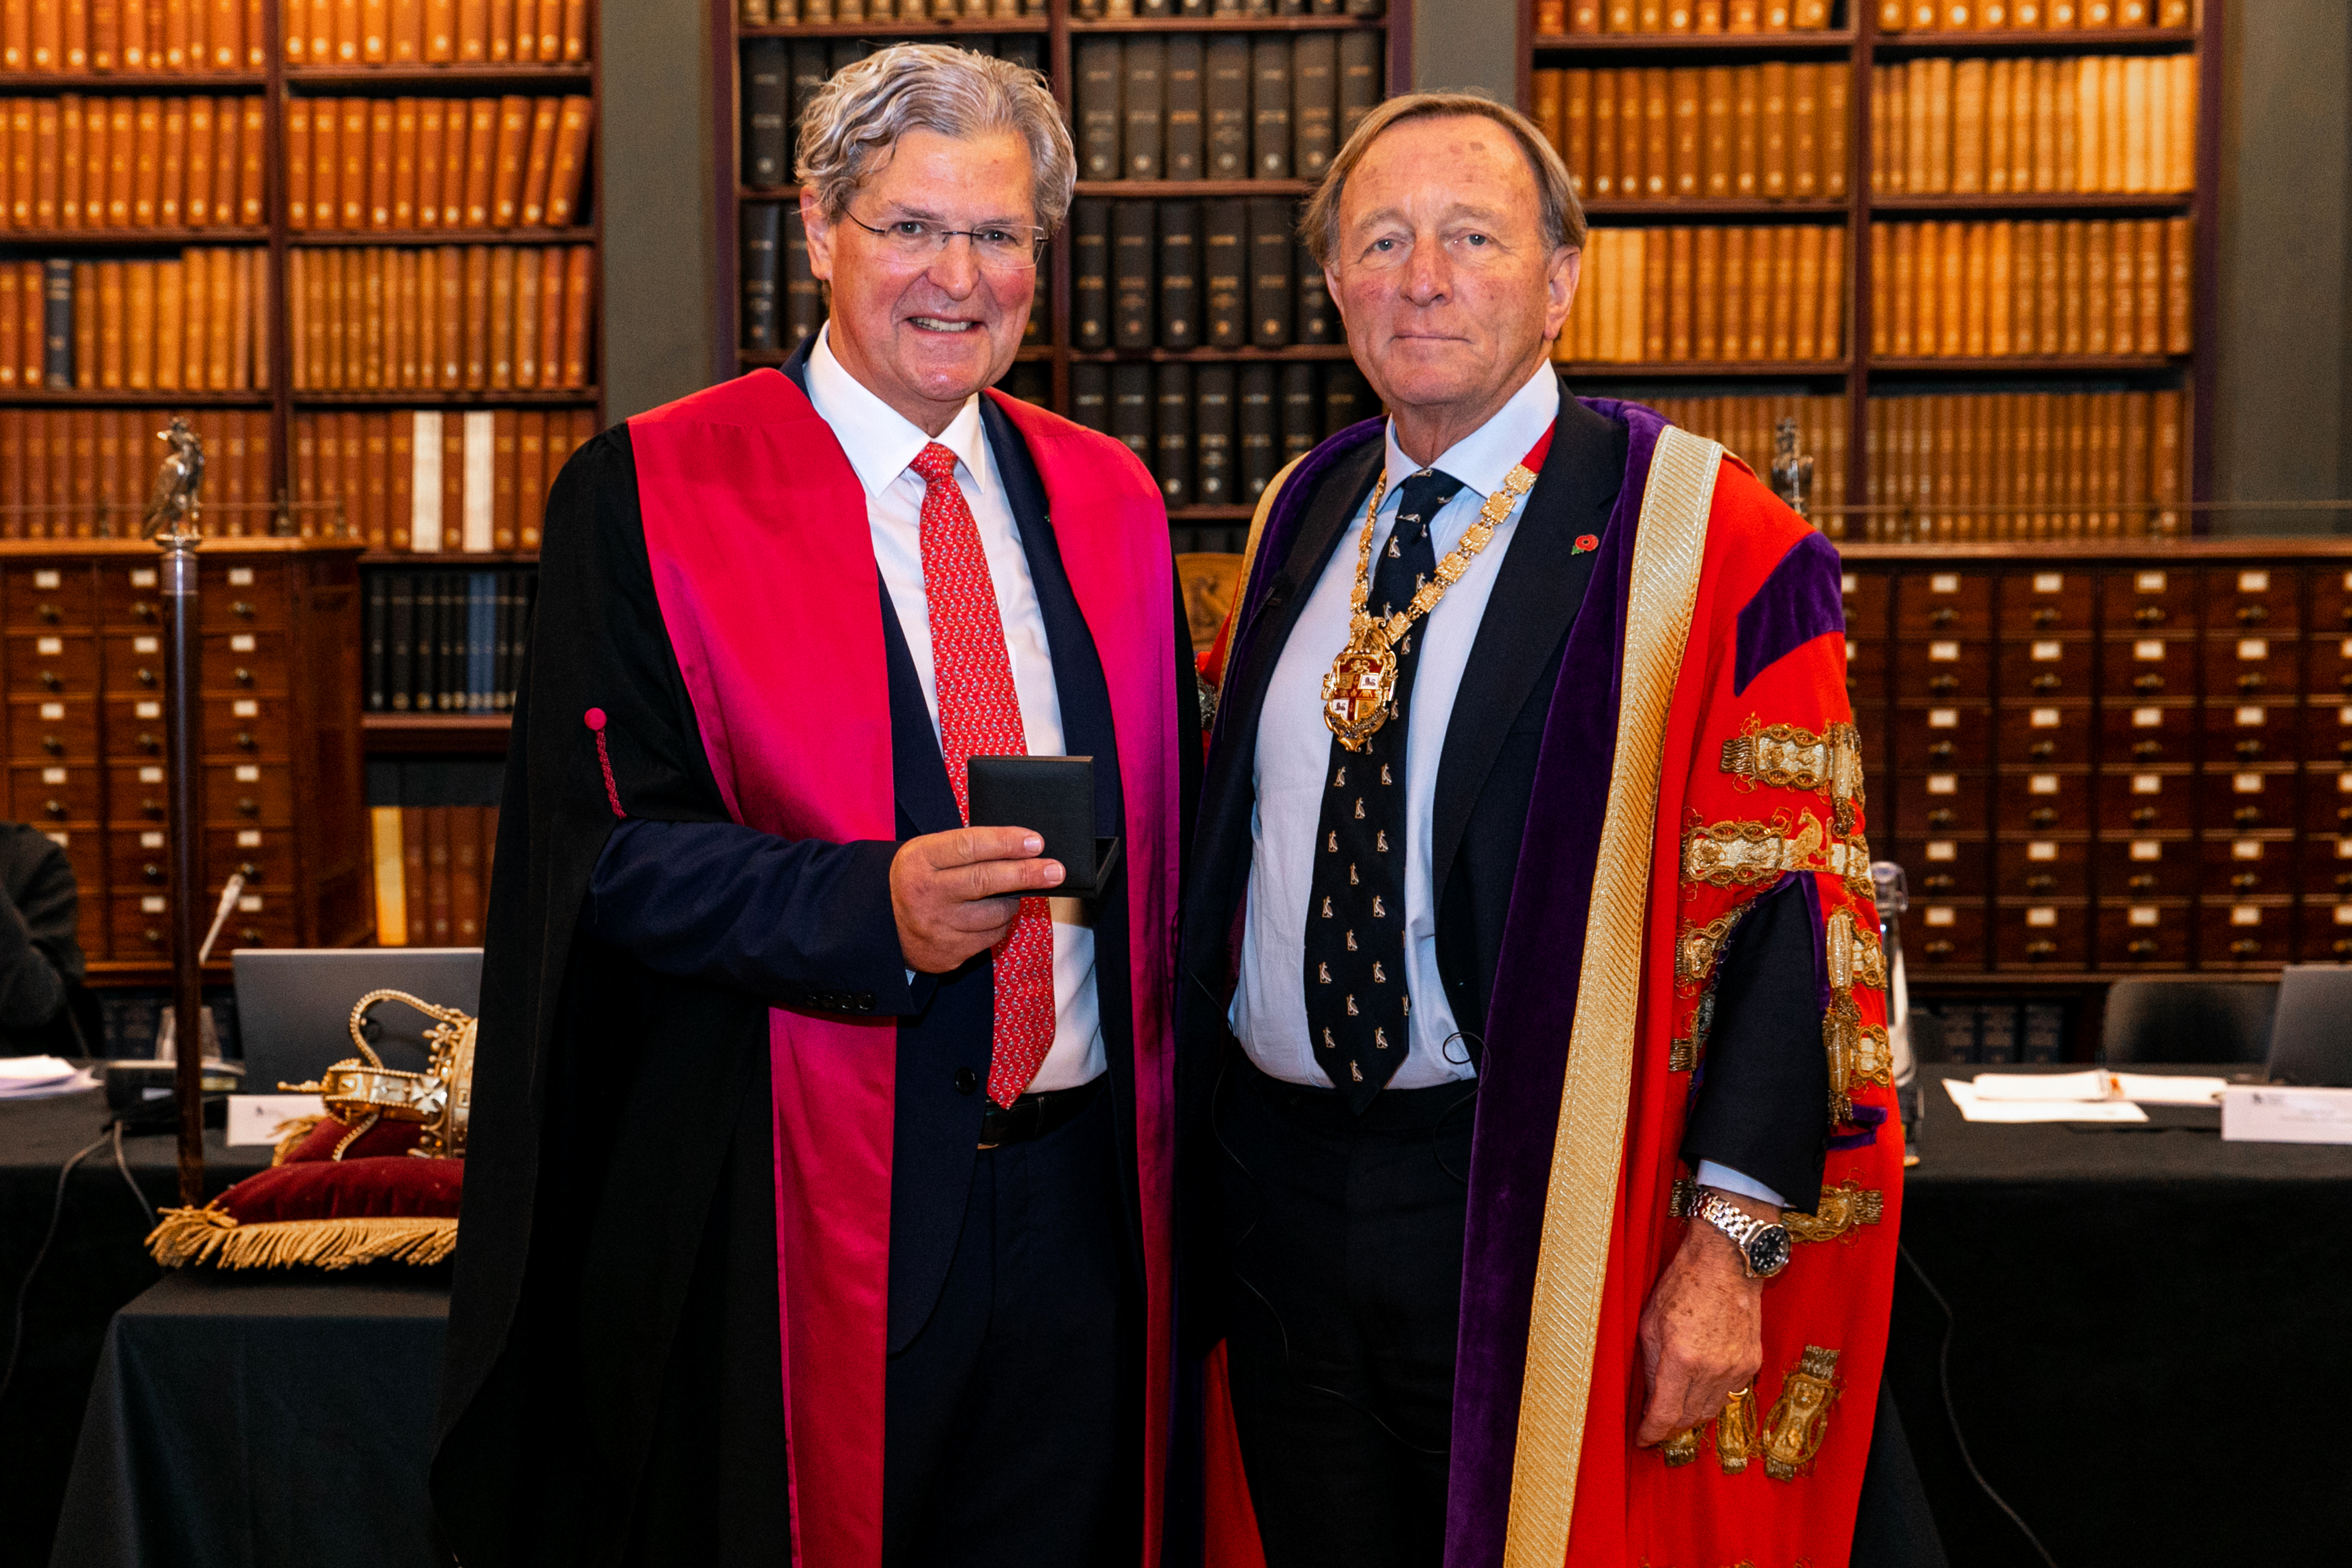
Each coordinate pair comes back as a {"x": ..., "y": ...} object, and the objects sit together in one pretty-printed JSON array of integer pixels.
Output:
[
  {"x": 1865, "y": 54},
  {"x": 1054, "y": 368}
]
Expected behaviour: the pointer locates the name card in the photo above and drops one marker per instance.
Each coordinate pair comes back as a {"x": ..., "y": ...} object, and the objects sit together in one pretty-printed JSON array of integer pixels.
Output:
[
  {"x": 1943, "y": 783},
  {"x": 240, "y": 576},
  {"x": 2246, "y": 784},
  {"x": 2253, "y": 718},
  {"x": 2148, "y": 717},
  {"x": 48, "y": 580},
  {"x": 2253, "y": 647}
]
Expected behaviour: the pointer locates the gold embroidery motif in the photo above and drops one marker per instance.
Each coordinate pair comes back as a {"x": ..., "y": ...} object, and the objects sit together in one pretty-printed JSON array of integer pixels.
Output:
[
  {"x": 1859, "y": 1054},
  {"x": 1799, "y": 1420},
  {"x": 1735, "y": 1442},
  {"x": 1856, "y": 956},
  {"x": 1697, "y": 947},
  {"x": 1680, "y": 1449},
  {"x": 1680, "y": 1197},
  {"x": 1786, "y": 757},
  {"x": 1748, "y": 854},
  {"x": 1843, "y": 1208},
  {"x": 1683, "y": 1057}
]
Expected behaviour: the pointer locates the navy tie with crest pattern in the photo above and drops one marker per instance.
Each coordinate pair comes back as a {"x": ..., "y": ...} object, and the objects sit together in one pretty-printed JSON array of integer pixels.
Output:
[{"x": 1359, "y": 1011}]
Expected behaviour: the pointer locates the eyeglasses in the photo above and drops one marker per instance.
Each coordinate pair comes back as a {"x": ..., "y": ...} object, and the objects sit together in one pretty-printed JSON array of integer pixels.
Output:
[{"x": 997, "y": 247}]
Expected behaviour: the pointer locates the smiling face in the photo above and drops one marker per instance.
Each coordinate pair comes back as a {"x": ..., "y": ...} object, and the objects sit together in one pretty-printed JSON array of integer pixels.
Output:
[
  {"x": 1440, "y": 272},
  {"x": 924, "y": 334}
]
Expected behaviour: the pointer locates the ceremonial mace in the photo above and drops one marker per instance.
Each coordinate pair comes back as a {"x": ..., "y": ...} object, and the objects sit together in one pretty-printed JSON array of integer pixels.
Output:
[
  {"x": 1793, "y": 475},
  {"x": 171, "y": 523}
]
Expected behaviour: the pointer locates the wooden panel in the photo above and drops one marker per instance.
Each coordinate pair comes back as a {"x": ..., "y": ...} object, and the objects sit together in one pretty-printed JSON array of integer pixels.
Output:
[
  {"x": 2143, "y": 668},
  {"x": 2146, "y": 867},
  {"x": 2254, "y": 599},
  {"x": 2043, "y": 868},
  {"x": 53, "y": 729},
  {"x": 1867, "y": 594},
  {"x": 51, "y": 664},
  {"x": 1943, "y": 604},
  {"x": 1949, "y": 936},
  {"x": 1942, "y": 671},
  {"x": 2327, "y": 931},
  {"x": 240, "y": 597},
  {"x": 2147, "y": 598},
  {"x": 2254, "y": 931},
  {"x": 2150, "y": 800},
  {"x": 2327, "y": 736},
  {"x": 2244, "y": 800},
  {"x": 1932, "y": 803},
  {"x": 1942, "y": 868},
  {"x": 40, "y": 597},
  {"x": 2252, "y": 865},
  {"x": 261, "y": 794},
  {"x": 2052, "y": 935},
  {"x": 2330, "y": 672},
  {"x": 2331, "y": 600},
  {"x": 2144, "y": 934},
  {"x": 2045, "y": 601},
  {"x": 2043, "y": 670},
  {"x": 2047, "y": 800},
  {"x": 2324, "y": 865},
  {"x": 2327, "y": 800},
  {"x": 2240, "y": 734},
  {"x": 127, "y": 595},
  {"x": 2047, "y": 732},
  {"x": 2249, "y": 667},
  {"x": 55, "y": 793},
  {"x": 1949, "y": 737},
  {"x": 2145, "y": 735}
]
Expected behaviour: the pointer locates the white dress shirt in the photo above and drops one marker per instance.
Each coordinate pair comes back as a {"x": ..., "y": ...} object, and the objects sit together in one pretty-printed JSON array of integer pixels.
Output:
[
  {"x": 881, "y": 443},
  {"x": 1294, "y": 754}
]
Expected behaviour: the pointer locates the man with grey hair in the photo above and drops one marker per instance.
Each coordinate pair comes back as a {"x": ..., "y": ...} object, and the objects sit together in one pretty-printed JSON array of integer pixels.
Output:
[
  {"x": 820, "y": 1148},
  {"x": 1531, "y": 1004}
]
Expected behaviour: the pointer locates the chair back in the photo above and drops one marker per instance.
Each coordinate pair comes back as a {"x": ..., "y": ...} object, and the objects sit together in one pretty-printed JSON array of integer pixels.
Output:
[
  {"x": 2312, "y": 1041},
  {"x": 2189, "y": 1020}
]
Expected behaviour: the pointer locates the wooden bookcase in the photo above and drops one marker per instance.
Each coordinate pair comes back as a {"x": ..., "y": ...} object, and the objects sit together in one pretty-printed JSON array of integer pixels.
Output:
[
  {"x": 1854, "y": 40},
  {"x": 1058, "y": 22}
]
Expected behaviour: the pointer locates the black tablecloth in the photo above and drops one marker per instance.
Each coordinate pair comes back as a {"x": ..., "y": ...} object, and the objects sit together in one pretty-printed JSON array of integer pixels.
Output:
[
  {"x": 96, "y": 1264},
  {"x": 240, "y": 1421},
  {"x": 2151, "y": 1359}
]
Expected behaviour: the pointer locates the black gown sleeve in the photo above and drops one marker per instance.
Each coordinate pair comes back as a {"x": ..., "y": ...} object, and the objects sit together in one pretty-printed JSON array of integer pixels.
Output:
[
  {"x": 40, "y": 954},
  {"x": 803, "y": 921},
  {"x": 1763, "y": 1095}
]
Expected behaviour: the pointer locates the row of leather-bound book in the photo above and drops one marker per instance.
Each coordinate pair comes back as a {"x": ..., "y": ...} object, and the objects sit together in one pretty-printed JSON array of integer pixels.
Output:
[
  {"x": 1215, "y": 435},
  {"x": 1746, "y": 428},
  {"x": 1233, "y": 106},
  {"x": 1558, "y": 16},
  {"x": 433, "y": 163},
  {"x": 1553, "y": 17},
  {"x": 2104, "y": 124},
  {"x": 192, "y": 38},
  {"x": 432, "y": 873},
  {"x": 1708, "y": 295},
  {"x": 459, "y": 318},
  {"x": 74, "y": 163},
  {"x": 196, "y": 321},
  {"x": 433, "y": 480},
  {"x": 104, "y": 37},
  {"x": 781, "y": 75},
  {"x": 2031, "y": 15},
  {"x": 2079, "y": 287},
  {"x": 445, "y": 640},
  {"x": 1775, "y": 132},
  {"x": 786, "y": 12},
  {"x": 87, "y": 473},
  {"x": 1973, "y": 467}
]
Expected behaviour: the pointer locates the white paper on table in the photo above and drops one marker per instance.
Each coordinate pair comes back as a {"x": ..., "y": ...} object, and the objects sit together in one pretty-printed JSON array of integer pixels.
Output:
[
  {"x": 1974, "y": 1108},
  {"x": 2091, "y": 1085},
  {"x": 256, "y": 1118},
  {"x": 42, "y": 1077},
  {"x": 2153, "y": 1088}
]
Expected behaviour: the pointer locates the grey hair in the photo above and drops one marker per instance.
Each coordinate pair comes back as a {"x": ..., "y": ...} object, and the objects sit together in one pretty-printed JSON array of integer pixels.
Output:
[
  {"x": 1558, "y": 209},
  {"x": 852, "y": 123}
]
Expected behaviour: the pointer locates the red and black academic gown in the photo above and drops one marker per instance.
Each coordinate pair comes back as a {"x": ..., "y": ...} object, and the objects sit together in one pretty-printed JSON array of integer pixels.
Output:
[{"x": 673, "y": 1295}]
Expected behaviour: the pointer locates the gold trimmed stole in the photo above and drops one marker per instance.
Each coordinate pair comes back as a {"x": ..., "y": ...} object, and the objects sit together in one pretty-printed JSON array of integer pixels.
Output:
[{"x": 1579, "y": 1205}]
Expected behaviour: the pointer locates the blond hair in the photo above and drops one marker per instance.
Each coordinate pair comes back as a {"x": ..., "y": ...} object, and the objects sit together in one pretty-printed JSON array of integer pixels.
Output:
[
  {"x": 854, "y": 120},
  {"x": 1562, "y": 217}
]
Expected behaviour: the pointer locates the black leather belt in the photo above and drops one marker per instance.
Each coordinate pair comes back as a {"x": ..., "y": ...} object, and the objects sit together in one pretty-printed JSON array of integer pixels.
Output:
[{"x": 1034, "y": 1115}]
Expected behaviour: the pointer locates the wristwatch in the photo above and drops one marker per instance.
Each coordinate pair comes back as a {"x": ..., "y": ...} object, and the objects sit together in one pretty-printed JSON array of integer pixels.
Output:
[{"x": 1763, "y": 1246}]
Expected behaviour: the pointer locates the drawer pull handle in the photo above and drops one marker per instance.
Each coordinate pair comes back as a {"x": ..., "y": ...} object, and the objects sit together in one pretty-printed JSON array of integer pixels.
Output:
[
  {"x": 51, "y": 680},
  {"x": 2250, "y": 750},
  {"x": 2145, "y": 947},
  {"x": 242, "y": 609},
  {"x": 1943, "y": 616},
  {"x": 2149, "y": 614},
  {"x": 2253, "y": 681},
  {"x": 248, "y": 806},
  {"x": 146, "y": 677},
  {"x": 2148, "y": 751},
  {"x": 2143, "y": 816},
  {"x": 155, "y": 938},
  {"x": 2143, "y": 882},
  {"x": 2247, "y": 816},
  {"x": 142, "y": 610},
  {"x": 1944, "y": 683},
  {"x": 250, "y": 871},
  {"x": 2038, "y": 950},
  {"x": 249, "y": 936},
  {"x": 2245, "y": 947},
  {"x": 52, "y": 745},
  {"x": 1941, "y": 882},
  {"x": 2147, "y": 683},
  {"x": 54, "y": 808},
  {"x": 51, "y": 614},
  {"x": 2047, "y": 616},
  {"x": 2344, "y": 947},
  {"x": 151, "y": 807},
  {"x": 2253, "y": 615},
  {"x": 1939, "y": 950},
  {"x": 151, "y": 871},
  {"x": 2042, "y": 817},
  {"x": 246, "y": 743},
  {"x": 243, "y": 676},
  {"x": 150, "y": 742},
  {"x": 1940, "y": 752},
  {"x": 1940, "y": 818},
  {"x": 2042, "y": 751},
  {"x": 2042, "y": 883},
  {"x": 2246, "y": 881}
]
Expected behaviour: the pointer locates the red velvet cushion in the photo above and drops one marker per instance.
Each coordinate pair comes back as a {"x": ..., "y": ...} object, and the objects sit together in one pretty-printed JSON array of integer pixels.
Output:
[
  {"x": 386, "y": 1137},
  {"x": 390, "y": 1187}
]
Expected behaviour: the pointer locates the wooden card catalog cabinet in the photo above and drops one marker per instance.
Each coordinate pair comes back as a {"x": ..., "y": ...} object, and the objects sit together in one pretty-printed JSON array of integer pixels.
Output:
[
  {"x": 2117, "y": 760},
  {"x": 278, "y": 691}
]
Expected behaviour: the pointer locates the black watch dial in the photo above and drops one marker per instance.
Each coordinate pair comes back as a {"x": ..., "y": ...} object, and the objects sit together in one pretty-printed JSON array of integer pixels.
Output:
[{"x": 1767, "y": 1250}]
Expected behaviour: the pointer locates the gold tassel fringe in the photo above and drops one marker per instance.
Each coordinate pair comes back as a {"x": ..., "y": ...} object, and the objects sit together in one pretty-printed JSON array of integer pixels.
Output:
[{"x": 186, "y": 1236}]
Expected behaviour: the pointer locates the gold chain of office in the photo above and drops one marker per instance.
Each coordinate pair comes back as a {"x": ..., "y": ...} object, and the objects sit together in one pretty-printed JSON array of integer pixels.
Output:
[{"x": 1359, "y": 693}]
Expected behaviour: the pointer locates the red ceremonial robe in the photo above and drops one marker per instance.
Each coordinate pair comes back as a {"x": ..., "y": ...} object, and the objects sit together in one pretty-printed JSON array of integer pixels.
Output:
[{"x": 1749, "y": 760}]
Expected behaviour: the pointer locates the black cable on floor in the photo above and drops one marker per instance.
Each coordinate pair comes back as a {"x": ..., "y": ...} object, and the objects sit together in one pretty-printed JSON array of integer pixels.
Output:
[
  {"x": 25, "y": 1287},
  {"x": 1951, "y": 1413}
]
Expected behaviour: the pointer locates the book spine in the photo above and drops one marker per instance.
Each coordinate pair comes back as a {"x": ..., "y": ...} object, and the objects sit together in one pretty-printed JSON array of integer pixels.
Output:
[
  {"x": 1144, "y": 61},
  {"x": 1132, "y": 225},
  {"x": 1182, "y": 147},
  {"x": 480, "y": 474},
  {"x": 1269, "y": 272},
  {"x": 1098, "y": 65},
  {"x": 1172, "y": 442},
  {"x": 1212, "y": 435},
  {"x": 1270, "y": 135},
  {"x": 1227, "y": 99},
  {"x": 1315, "y": 102},
  {"x": 1179, "y": 258},
  {"x": 762, "y": 225}
]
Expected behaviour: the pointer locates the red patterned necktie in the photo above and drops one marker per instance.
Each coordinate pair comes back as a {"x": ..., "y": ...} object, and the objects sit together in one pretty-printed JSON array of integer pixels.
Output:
[{"x": 980, "y": 715}]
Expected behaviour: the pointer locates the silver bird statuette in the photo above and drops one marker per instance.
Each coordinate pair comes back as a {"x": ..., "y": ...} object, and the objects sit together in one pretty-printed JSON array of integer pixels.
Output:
[{"x": 173, "y": 509}]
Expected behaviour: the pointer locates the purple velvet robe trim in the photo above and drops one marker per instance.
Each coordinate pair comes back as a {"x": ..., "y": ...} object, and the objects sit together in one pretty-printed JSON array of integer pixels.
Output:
[
  {"x": 1799, "y": 602},
  {"x": 1528, "y": 1027}
]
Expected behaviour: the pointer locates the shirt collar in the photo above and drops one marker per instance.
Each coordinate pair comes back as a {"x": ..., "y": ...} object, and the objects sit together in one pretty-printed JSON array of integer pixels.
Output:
[
  {"x": 879, "y": 441},
  {"x": 1484, "y": 457}
]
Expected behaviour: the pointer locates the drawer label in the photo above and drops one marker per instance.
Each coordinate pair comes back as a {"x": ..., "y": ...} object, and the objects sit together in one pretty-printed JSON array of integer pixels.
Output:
[
  {"x": 148, "y": 709},
  {"x": 2344, "y": 648},
  {"x": 249, "y": 903},
  {"x": 2344, "y": 782},
  {"x": 2143, "y": 915},
  {"x": 248, "y": 774},
  {"x": 1949, "y": 783},
  {"x": 2343, "y": 914},
  {"x": 2245, "y": 914},
  {"x": 2048, "y": 651},
  {"x": 245, "y": 708},
  {"x": 2148, "y": 582},
  {"x": 2344, "y": 848},
  {"x": 248, "y": 838},
  {"x": 2150, "y": 649},
  {"x": 48, "y": 579},
  {"x": 2042, "y": 784},
  {"x": 2043, "y": 719},
  {"x": 2148, "y": 717},
  {"x": 240, "y": 576},
  {"x": 2041, "y": 850},
  {"x": 53, "y": 710},
  {"x": 1944, "y": 849},
  {"x": 151, "y": 841},
  {"x": 146, "y": 645},
  {"x": 2148, "y": 784},
  {"x": 2042, "y": 917},
  {"x": 50, "y": 648},
  {"x": 2245, "y": 848},
  {"x": 2253, "y": 718},
  {"x": 1943, "y": 718},
  {"x": 142, "y": 576},
  {"x": 151, "y": 775},
  {"x": 2246, "y": 784},
  {"x": 1851, "y": 651},
  {"x": 2253, "y": 647},
  {"x": 241, "y": 643},
  {"x": 1940, "y": 916},
  {"x": 2048, "y": 582},
  {"x": 1943, "y": 582},
  {"x": 151, "y": 905},
  {"x": 2146, "y": 849},
  {"x": 2253, "y": 581},
  {"x": 1848, "y": 582},
  {"x": 53, "y": 775},
  {"x": 1944, "y": 651}
]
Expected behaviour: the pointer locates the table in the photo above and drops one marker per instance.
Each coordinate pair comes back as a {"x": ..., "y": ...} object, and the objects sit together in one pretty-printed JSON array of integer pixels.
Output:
[
  {"x": 96, "y": 1264},
  {"x": 2150, "y": 1358},
  {"x": 239, "y": 1420}
]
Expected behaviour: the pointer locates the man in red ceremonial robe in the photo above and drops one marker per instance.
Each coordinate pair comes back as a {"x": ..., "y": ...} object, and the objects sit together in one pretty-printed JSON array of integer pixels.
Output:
[
  {"x": 1532, "y": 1008},
  {"x": 819, "y": 1167}
]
